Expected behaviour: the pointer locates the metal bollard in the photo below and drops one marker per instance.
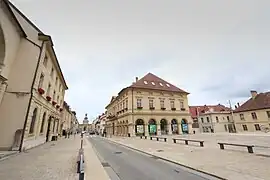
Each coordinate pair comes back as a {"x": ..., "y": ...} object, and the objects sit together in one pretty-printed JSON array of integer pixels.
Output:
[
  {"x": 81, "y": 175},
  {"x": 81, "y": 143}
]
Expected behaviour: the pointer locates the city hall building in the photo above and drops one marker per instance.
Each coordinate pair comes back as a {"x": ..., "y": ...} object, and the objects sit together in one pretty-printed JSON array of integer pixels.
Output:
[{"x": 150, "y": 106}]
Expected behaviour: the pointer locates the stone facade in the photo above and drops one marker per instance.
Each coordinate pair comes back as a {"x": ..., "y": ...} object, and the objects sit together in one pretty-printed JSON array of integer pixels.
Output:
[
  {"x": 32, "y": 86},
  {"x": 69, "y": 120},
  {"x": 254, "y": 114},
  {"x": 216, "y": 121},
  {"x": 140, "y": 110}
]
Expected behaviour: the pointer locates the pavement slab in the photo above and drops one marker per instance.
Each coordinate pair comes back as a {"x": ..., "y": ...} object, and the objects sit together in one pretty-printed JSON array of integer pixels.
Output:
[
  {"x": 125, "y": 164},
  {"x": 51, "y": 161},
  {"x": 229, "y": 163}
]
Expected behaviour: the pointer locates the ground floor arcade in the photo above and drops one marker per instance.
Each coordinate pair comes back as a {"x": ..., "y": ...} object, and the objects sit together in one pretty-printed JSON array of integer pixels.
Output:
[{"x": 152, "y": 126}]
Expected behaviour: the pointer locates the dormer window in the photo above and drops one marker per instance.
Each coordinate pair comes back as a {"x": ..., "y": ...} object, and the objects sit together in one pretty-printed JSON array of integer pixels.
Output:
[
  {"x": 145, "y": 82},
  {"x": 153, "y": 83},
  {"x": 168, "y": 85},
  {"x": 161, "y": 84}
]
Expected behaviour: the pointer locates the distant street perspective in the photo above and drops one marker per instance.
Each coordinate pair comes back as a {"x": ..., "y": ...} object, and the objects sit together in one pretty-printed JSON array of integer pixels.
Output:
[{"x": 134, "y": 90}]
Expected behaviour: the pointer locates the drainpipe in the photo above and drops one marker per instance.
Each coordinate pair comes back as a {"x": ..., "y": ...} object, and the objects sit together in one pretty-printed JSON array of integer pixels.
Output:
[
  {"x": 31, "y": 95},
  {"x": 212, "y": 122},
  {"x": 132, "y": 109}
]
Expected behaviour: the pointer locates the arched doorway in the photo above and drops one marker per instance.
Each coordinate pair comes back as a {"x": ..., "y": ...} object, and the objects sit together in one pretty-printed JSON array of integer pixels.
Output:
[
  {"x": 126, "y": 127},
  {"x": 33, "y": 122},
  {"x": 113, "y": 128},
  {"x": 2, "y": 48},
  {"x": 139, "y": 127},
  {"x": 48, "y": 129},
  {"x": 152, "y": 127},
  {"x": 174, "y": 126},
  {"x": 184, "y": 126},
  {"x": 163, "y": 126},
  {"x": 42, "y": 123}
]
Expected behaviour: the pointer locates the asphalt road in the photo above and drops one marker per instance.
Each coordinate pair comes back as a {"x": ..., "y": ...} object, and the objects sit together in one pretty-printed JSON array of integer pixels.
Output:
[{"x": 122, "y": 163}]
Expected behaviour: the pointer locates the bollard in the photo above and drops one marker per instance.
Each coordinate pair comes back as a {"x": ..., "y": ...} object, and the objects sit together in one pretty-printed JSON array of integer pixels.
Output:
[
  {"x": 81, "y": 175},
  {"x": 81, "y": 143}
]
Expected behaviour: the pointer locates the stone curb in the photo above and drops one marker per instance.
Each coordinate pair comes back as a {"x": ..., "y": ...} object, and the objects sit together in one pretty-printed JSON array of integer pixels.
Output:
[
  {"x": 93, "y": 166},
  {"x": 168, "y": 160},
  {"x": 4, "y": 157}
]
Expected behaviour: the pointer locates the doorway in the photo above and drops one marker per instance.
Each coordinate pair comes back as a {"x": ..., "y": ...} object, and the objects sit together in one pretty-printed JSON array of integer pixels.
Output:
[
  {"x": 163, "y": 126},
  {"x": 48, "y": 129}
]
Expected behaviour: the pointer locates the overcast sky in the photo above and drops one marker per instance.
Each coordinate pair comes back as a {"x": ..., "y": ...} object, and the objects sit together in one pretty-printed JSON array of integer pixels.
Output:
[{"x": 216, "y": 50}]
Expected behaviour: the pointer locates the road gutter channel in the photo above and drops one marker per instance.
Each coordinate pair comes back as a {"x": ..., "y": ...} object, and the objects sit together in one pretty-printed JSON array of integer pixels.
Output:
[
  {"x": 168, "y": 160},
  {"x": 109, "y": 170}
]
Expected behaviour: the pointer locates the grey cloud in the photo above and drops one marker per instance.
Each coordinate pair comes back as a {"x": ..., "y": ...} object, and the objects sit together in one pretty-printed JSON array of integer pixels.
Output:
[{"x": 216, "y": 50}]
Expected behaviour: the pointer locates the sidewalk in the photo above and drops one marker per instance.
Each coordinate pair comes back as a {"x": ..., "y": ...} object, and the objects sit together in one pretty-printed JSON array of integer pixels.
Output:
[
  {"x": 229, "y": 164},
  {"x": 7, "y": 154},
  {"x": 52, "y": 161},
  {"x": 55, "y": 160}
]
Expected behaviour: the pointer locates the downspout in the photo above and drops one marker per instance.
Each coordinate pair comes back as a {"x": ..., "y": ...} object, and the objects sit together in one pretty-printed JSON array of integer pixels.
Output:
[
  {"x": 132, "y": 110},
  {"x": 212, "y": 124},
  {"x": 31, "y": 95}
]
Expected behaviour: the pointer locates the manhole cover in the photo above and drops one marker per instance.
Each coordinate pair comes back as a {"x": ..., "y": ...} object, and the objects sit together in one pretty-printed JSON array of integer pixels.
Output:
[
  {"x": 160, "y": 150},
  {"x": 118, "y": 152},
  {"x": 105, "y": 164}
]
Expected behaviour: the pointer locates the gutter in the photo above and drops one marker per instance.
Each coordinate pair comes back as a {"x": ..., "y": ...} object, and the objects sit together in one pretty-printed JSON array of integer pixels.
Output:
[{"x": 31, "y": 95}]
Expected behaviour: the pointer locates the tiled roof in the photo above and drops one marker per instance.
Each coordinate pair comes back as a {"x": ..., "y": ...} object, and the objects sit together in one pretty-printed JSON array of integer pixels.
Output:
[
  {"x": 199, "y": 110},
  {"x": 151, "y": 81},
  {"x": 261, "y": 101}
]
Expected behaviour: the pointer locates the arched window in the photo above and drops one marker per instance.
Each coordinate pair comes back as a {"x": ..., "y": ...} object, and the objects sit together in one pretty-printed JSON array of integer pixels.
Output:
[
  {"x": 42, "y": 122},
  {"x": 33, "y": 121}
]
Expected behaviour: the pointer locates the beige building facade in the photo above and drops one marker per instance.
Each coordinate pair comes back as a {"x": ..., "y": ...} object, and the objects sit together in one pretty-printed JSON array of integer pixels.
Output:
[
  {"x": 69, "y": 123},
  {"x": 254, "y": 114},
  {"x": 214, "y": 118},
  {"x": 150, "y": 106},
  {"x": 32, "y": 86},
  {"x": 217, "y": 122}
]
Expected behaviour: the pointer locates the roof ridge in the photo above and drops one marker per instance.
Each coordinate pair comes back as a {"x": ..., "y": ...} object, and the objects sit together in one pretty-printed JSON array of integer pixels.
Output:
[{"x": 152, "y": 81}]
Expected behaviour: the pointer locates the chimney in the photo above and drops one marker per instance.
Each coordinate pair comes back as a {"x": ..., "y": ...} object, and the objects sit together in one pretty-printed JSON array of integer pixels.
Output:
[
  {"x": 238, "y": 104},
  {"x": 236, "y": 107},
  {"x": 253, "y": 94},
  {"x": 137, "y": 79}
]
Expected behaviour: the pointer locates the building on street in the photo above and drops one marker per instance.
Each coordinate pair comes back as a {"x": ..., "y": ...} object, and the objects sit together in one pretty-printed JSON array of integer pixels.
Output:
[
  {"x": 103, "y": 119},
  {"x": 150, "y": 105},
  {"x": 69, "y": 120},
  {"x": 254, "y": 114},
  {"x": 32, "y": 86},
  {"x": 85, "y": 126},
  {"x": 214, "y": 118}
]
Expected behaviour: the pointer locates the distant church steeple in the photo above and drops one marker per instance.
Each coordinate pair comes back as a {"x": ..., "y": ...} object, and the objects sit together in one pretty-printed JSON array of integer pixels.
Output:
[{"x": 85, "y": 120}]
